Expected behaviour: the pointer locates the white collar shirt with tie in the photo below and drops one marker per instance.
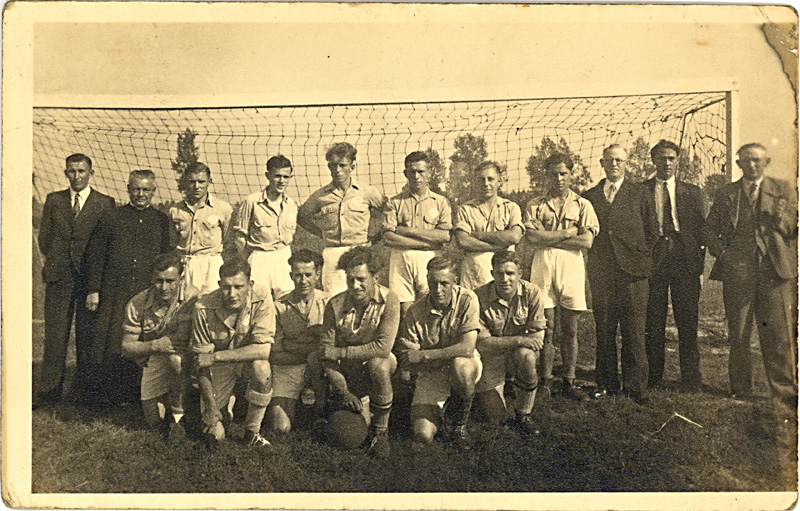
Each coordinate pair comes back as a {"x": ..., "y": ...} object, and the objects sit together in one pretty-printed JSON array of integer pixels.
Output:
[
  {"x": 607, "y": 189},
  {"x": 659, "y": 199},
  {"x": 82, "y": 196}
]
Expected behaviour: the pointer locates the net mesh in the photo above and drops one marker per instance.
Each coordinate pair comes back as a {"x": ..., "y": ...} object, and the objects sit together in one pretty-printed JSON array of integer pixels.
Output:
[{"x": 236, "y": 142}]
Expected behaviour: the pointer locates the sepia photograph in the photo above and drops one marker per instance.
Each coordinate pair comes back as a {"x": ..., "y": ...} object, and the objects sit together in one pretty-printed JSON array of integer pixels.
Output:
[{"x": 399, "y": 256}]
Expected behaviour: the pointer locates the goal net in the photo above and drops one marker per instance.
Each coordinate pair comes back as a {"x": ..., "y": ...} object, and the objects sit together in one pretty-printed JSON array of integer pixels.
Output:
[{"x": 236, "y": 142}]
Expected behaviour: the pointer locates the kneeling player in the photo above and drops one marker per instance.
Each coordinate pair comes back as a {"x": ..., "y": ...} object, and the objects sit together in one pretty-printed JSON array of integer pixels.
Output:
[
  {"x": 233, "y": 330},
  {"x": 358, "y": 334},
  {"x": 438, "y": 343},
  {"x": 299, "y": 318},
  {"x": 512, "y": 317},
  {"x": 156, "y": 331}
]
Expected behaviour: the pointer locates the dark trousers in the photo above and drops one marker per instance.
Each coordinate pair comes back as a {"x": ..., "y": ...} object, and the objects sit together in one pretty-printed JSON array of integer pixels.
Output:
[
  {"x": 63, "y": 299},
  {"x": 673, "y": 279},
  {"x": 758, "y": 302},
  {"x": 619, "y": 299}
]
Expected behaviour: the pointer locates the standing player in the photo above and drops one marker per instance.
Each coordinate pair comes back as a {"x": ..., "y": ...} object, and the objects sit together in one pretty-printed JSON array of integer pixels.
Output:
[
  {"x": 485, "y": 225},
  {"x": 358, "y": 333},
  {"x": 416, "y": 224},
  {"x": 298, "y": 324},
  {"x": 232, "y": 332},
  {"x": 156, "y": 332},
  {"x": 265, "y": 228},
  {"x": 513, "y": 321},
  {"x": 620, "y": 261},
  {"x": 339, "y": 213},
  {"x": 199, "y": 224},
  {"x": 438, "y": 343},
  {"x": 679, "y": 259},
  {"x": 560, "y": 225},
  {"x": 122, "y": 250},
  {"x": 68, "y": 218}
]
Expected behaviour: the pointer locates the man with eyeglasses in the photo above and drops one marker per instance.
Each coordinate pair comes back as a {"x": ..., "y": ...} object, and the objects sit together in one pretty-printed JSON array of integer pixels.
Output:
[{"x": 620, "y": 263}]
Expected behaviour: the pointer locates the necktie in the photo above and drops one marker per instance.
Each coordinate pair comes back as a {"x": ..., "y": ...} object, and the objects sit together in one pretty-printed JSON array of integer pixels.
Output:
[
  {"x": 76, "y": 208},
  {"x": 753, "y": 194},
  {"x": 612, "y": 191},
  {"x": 667, "y": 223}
]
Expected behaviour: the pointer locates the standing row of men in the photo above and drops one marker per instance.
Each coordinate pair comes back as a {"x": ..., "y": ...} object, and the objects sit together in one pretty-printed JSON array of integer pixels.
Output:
[{"x": 644, "y": 241}]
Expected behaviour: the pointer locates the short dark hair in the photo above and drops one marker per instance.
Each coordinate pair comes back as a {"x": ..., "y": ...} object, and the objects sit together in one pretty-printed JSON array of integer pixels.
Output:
[
  {"x": 341, "y": 150},
  {"x": 505, "y": 256},
  {"x": 664, "y": 145},
  {"x": 196, "y": 167},
  {"x": 416, "y": 156},
  {"x": 234, "y": 267},
  {"x": 751, "y": 145},
  {"x": 305, "y": 255},
  {"x": 278, "y": 162},
  {"x": 441, "y": 262},
  {"x": 487, "y": 164},
  {"x": 141, "y": 174},
  {"x": 163, "y": 262},
  {"x": 357, "y": 256},
  {"x": 77, "y": 158},
  {"x": 556, "y": 159}
]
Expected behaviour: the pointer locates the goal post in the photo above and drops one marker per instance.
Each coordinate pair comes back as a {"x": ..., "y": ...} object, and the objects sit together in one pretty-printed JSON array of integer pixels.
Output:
[{"x": 235, "y": 142}]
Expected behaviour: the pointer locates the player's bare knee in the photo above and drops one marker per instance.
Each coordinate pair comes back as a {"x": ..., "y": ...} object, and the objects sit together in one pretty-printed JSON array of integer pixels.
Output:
[{"x": 261, "y": 375}]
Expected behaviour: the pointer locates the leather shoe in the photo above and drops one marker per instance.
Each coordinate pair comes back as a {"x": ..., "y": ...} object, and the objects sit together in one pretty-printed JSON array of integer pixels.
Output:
[{"x": 599, "y": 393}]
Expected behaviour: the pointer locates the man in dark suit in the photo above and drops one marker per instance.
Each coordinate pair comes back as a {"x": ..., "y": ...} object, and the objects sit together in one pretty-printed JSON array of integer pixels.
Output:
[
  {"x": 752, "y": 231},
  {"x": 68, "y": 218},
  {"x": 121, "y": 254},
  {"x": 620, "y": 261},
  {"x": 679, "y": 258}
]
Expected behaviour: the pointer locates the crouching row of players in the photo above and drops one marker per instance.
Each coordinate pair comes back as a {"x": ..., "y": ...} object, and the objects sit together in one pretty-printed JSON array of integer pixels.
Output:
[{"x": 457, "y": 344}]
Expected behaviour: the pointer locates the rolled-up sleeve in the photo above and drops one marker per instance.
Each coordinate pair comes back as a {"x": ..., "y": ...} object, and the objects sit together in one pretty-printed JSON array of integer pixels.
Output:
[
  {"x": 536, "y": 319},
  {"x": 470, "y": 318},
  {"x": 588, "y": 218},
  {"x": 263, "y": 323},
  {"x": 463, "y": 221},
  {"x": 201, "y": 337}
]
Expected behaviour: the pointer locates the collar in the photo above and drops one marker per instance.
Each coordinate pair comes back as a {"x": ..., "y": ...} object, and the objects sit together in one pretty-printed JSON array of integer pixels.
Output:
[
  {"x": 265, "y": 199},
  {"x": 83, "y": 194},
  {"x": 748, "y": 184},
  {"x": 618, "y": 184},
  {"x": 495, "y": 297},
  {"x": 208, "y": 202},
  {"x": 670, "y": 182},
  {"x": 436, "y": 311},
  {"x": 353, "y": 184},
  {"x": 406, "y": 193},
  {"x": 377, "y": 297},
  {"x": 571, "y": 197},
  {"x": 290, "y": 299},
  {"x": 150, "y": 300},
  {"x": 500, "y": 200}
]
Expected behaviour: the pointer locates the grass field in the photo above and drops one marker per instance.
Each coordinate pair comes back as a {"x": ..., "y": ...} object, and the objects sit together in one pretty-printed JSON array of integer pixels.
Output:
[{"x": 611, "y": 445}]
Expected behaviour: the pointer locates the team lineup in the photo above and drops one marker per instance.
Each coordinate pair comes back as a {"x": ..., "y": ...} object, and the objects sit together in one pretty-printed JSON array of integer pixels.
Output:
[{"x": 161, "y": 317}]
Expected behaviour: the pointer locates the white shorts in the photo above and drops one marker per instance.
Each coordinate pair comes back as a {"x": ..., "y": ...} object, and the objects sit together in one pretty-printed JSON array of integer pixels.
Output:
[
  {"x": 408, "y": 273},
  {"x": 333, "y": 281},
  {"x": 561, "y": 275},
  {"x": 433, "y": 387},
  {"x": 202, "y": 272},
  {"x": 271, "y": 269},
  {"x": 288, "y": 380},
  {"x": 158, "y": 374},
  {"x": 476, "y": 269}
]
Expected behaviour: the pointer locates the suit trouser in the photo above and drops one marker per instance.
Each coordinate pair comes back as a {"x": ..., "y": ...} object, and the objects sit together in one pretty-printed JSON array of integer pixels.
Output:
[
  {"x": 619, "y": 298},
  {"x": 62, "y": 299},
  {"x": 673, "y": 278},
  {"x": 754, "y": 295}
]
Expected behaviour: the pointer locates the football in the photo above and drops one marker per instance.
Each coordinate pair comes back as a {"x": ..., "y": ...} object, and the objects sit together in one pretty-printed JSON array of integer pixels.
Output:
[{"x": 345, "y": 429}]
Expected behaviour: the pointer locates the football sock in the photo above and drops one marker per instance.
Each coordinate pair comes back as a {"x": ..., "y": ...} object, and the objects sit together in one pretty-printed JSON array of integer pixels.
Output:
[
  {"x": 380, "y": 415},
  {"x": 526, "y": 395}
]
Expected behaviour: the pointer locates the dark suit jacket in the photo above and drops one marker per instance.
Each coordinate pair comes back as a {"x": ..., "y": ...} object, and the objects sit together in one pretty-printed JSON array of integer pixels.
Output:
[
  {"x": 691, "y": 220},
  {"x": 62, "y": 238},
  {"x": 777, "y": 230},
  {"x": 628, "y": 228}
]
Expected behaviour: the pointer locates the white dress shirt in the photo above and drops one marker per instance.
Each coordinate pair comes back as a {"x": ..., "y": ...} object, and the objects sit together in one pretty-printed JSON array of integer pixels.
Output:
[
  {"x": 659, "y": 198},
  {"x": 608, "y": 186},
  {"x": 82, "y": 196}
]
